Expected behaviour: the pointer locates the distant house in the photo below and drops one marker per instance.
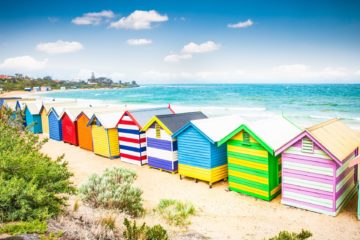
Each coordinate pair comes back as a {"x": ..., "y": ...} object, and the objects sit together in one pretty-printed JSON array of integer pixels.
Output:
[
  {"x": 2, "y": 76},
  {"x": 37, "y": 89},
  {"x": 45, "y": 88},
  {"x": 62, "y": 88}
]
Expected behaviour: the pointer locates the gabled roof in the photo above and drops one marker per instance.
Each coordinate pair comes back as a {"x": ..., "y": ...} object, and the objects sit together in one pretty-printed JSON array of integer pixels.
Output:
[
  {"x": 173, "y": 122},
  {"x": 336, "y": 137},
  {"x": 142, "y": 116},
  {"x": 332, "y": 136},
  {"x": 107, "y": 119},
  {"x": 34, "y": 108},
  {"x": 73, "y": 112},
  {"x": 214, "y": 129},
  {"x": 11, "y": 105},
  {"x": 271, "y": 133}
]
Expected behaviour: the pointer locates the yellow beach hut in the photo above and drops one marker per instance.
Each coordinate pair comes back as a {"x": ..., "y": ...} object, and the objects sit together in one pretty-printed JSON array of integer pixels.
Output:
[{"x": 105, "y": 133}]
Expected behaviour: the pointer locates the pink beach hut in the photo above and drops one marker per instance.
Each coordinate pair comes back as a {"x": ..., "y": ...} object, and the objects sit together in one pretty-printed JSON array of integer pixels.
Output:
[{"x": 316, "y": 170}]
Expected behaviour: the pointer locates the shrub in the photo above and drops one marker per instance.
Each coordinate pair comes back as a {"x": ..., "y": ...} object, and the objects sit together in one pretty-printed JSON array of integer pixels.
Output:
[
  {"x": 175, "y": 212},
  {"x": 143, "y": 232},
  {"x": 114, "y": 190},
  {"x": 108, "y": 222},
  {"x": 285, "y": 235},
  {"x": 32, "y": 186},
  {"x": 35, "y": 226}
]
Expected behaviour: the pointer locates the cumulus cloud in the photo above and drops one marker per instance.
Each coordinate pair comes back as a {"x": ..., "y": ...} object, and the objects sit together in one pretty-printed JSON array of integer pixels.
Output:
[
  {"x": 245, "y": 24},
  {"x": 59, "y": 46},
  {"x": 139, "y": 20},
  {"x": 192, "y": 48},
  {"x": 177, "y": 57},
  {"x": 23, "y": 63},
  {"x": 139, "y": 41},
  {"x": 208, "y": 46},
  {"x": 93, "y": 18}
]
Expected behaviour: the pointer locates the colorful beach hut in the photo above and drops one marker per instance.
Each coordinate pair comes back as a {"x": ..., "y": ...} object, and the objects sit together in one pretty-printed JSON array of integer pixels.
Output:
[
  {"x": 33, "y": 117},
  {"x": 47, "y": 105},
  {"x": 161, "y": 149},
  {"x": 315, "y": 172},
  {"x": 69, "y": 125},
  {"x": 253, "y": 167},
  {"x": 132, "y": 140},
  {"x": 55, "y": 128},
  {"x": 105, "y": 133},
  {"x": 199, "y": 155}
]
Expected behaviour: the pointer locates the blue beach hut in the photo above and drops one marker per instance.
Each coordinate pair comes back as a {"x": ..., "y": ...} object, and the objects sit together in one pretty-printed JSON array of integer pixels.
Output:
[
  {"x": 55, "y": 130},
  {"x": 33, "y": 117},
  {"x": 199, "y": 155}
]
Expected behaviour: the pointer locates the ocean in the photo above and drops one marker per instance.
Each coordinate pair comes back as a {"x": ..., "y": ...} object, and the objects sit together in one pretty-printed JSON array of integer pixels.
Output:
[{"x": 304, "y": 104}]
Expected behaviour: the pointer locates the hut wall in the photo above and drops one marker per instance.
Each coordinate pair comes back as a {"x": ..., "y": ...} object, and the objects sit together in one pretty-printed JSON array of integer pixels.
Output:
[
  {"x": 84, "y": 133},
  {"x": 55, "y": 131},
  {"x": 69, "y": 130},
  {"x": 132, "y": 142},
  {"x": 161, "y": 150},
  {"x": 34, "y": 121},
  {"x": 105, "y": 141},
  {"x": 44, "y": 121}
]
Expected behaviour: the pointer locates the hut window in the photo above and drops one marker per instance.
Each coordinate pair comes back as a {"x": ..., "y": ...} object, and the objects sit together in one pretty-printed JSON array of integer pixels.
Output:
[
  {"x": 246, "y": 138},
  {"x": 157, "y": 129},
  {"x": 307, "y": 146}
]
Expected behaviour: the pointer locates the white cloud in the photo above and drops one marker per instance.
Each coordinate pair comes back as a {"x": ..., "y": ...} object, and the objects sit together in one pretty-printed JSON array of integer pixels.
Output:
[
  {"x": 59, "y": 46},
  {"x": 357, "y": 72},
  {"x": 208, "y": 46},
  {"x": 93, "y": 18},
  {"x": 245, "y": 24},
  {"x": 139, "y": 41},
  {"x": 139, "y": 20},
  {"x": 23, "y": 63},
  {"x": 177, "y": 57}
]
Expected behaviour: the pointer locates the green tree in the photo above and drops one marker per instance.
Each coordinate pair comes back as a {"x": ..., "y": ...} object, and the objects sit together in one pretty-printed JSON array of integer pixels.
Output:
[{"x": 32, "y": 186}]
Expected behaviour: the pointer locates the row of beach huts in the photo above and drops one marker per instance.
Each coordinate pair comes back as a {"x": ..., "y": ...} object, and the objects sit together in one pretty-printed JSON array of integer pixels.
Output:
[{"x": 315, "y": 168}]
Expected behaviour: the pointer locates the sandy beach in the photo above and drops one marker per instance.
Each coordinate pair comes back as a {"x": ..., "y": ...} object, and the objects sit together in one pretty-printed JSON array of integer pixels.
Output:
[{"x": 223, "y": 214}]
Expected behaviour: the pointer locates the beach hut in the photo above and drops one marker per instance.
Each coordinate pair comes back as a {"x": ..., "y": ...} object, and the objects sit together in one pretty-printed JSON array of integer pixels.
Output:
[
  {"x": 105, "y": 133},
  {"x": 199, "y": 155},
  {"x": 47, "y": 105},
  {"x": 315, "y": 168},
  {"x": 33, "y": 117},
  {"x": 55, "y": 123},
  {"x": 161, "y": 147},
  {"x": 132, "y": 140},
  {"x": 253, "y": 167},
  {"x": 69, "y": 125}
]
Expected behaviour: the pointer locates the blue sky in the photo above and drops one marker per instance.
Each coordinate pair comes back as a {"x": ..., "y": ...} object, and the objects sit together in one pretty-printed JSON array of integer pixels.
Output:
[{"x": 183, "y": 41}]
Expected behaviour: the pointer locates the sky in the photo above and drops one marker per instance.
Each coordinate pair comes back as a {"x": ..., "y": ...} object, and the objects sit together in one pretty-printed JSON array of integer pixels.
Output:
[{"x": 169, "y": 41}]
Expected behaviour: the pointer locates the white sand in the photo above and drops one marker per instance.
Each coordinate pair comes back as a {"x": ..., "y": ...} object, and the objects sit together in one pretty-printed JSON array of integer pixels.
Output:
[{"x": 223, "y": 214}]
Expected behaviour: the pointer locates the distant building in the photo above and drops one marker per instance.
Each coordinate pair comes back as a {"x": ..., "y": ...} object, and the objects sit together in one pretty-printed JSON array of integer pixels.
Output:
[
  {"x": 62, "y": 88},
  {"x": 2, "y": 76},
  {"x": 45, "y": 88},
  {"x": 36, "y": 89}
]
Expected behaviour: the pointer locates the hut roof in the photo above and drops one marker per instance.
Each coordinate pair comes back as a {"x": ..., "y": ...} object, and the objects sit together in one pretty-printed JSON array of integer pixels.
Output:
[
  {"x": 336, "y": 137},
  {"x": 173, "y": 122},
  {"x": 214, "y": 129},
  {"x": 142, "y": 116},
  {"x": 271, "y": 133},
  {"x": 34, "y": 108},
  {"x": 107, "y": 119}
]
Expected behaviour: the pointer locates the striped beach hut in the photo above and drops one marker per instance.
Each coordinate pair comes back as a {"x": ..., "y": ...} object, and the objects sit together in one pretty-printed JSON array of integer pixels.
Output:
[
  {"x": 47, "y": 105},
  {"x": 199, "y": 155},
  {"x": 315, "y": 168},
  {"x": 33, "y": 117},
  {"x": 105, "y": 133},
  {"x": 132, "y": 140},
  {"x": 161, "y": 147},
  {"x": 253, "y": 167}
]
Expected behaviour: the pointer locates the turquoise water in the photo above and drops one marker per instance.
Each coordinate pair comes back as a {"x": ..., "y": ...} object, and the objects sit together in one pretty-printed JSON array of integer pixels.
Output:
[{"x": 305, "y": 104}]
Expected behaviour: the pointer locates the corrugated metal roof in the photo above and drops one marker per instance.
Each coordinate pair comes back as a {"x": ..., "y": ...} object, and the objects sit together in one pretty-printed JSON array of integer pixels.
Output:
[
  {"x": 218, "y": 127},
  {"x": 336, "y": 137},
  {"x": 142, "y": 116},
  {"x": 34, "y": 108},
  {"x": 176, "y": 121},
  {"x": 108, "y": 119},
  {"x": 275, "y": 131}
]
